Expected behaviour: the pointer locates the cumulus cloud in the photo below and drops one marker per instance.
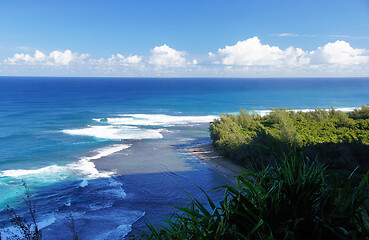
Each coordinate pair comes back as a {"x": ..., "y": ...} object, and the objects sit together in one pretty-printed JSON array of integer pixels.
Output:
[
  {"x": 54, "y": 58},
  {"x": 133, "y": 59},
  {"x": 117, "y": 64},
  {"x": 40, "y": 56},
  {"x": 66, "y": 57},
  {"x": 339, "y": 52},
  {"x": 119, "y": 59},
  {"x": 252, "y": 52},
  {"x": 20, "y": 57},
  {"x": 167, "y": 57},
  {"x": 247, "y": 58},
  {"x": 163, "y": 56}
]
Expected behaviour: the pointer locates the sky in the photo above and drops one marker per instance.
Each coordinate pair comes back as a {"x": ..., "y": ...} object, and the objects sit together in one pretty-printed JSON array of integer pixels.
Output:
[{"x": 177, "y": 38}]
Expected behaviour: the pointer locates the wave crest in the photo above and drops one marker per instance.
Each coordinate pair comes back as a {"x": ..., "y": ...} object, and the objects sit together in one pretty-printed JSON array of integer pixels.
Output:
[{"x": 84, "y": 167}]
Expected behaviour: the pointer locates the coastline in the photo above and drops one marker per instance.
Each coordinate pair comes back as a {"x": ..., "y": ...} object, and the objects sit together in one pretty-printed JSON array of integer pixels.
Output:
[{"x": 206, "y": 153}]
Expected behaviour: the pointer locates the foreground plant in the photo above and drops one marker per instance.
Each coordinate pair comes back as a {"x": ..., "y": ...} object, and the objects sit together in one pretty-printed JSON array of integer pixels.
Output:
[
  {"x": 27, "y": 227},
  {"x": 28, "y": 230},
  {"x": 289, "y": 200}
]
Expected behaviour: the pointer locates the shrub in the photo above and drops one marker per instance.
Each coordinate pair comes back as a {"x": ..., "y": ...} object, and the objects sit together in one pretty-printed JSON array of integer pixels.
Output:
[
  {"x": 320, "y": 115},
  {"x": 328, "y": 132},
  {"x": 343, "y": 120},
  {"x": 362, "y": 113}
]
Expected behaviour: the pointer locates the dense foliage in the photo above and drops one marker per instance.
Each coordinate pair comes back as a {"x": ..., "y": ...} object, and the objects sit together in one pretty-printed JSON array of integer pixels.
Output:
[
  {"x": 341, "y": 139},
  {"x": 290, "y": 200}
]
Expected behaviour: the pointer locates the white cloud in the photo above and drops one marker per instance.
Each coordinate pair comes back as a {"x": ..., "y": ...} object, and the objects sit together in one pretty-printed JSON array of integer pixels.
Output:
[
  {"x": 252, "y": 53},
  {"x": 39, "y": 56},
  {"x": 339, "y": 52},
  {"x": 295, "y": 56},
  {"x": 19, "y": 57},
  {"x": 167, "y": 57},
  {"x": 287, "y": 34},
  {"x": 162, "y": 56},
  {"x": 247, "y": 58},
  {"x": 54, "y": 58},
  {"x": 133, "y": 59},
  {"x": 62, "y": 58},
  {"x": 339, "y": 36},
  {"x": 119, "y": 59}
]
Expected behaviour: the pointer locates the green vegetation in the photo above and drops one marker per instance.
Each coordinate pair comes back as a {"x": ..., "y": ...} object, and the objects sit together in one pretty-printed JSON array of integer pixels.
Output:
[
  {"x": 289, "y": 200},
  {"x": 285, "y": 195},
  {"x": 341, "y": 139}
]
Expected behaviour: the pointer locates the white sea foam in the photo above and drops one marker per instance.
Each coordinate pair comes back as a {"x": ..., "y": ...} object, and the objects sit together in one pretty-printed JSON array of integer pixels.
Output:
[
  {"x": 84, "y": 183},
  {"x": 10, "y": 232},
  {"x": 347, "y": 109},
  {"x": 155, "y": 119},
  {"x": 123, "y": 229},
  {"x": 87, "y": 168},
  {"x": 99, "y": 206},
  {"x": 106, "y": 151},
  {"x": 129, "y": 126},
  {"x": 266, "y": 112},
  {"x": 116, "y": 132},
  {"x": 118, "y": 192},
  {"x": 47, "y": 221},
  {"x": 113, "y": 189},
  {"x": 23, "y": 172},
  {"x": 84, "y": 167}
]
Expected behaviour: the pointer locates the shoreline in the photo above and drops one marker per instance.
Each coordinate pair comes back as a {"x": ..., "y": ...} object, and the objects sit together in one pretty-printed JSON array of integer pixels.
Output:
[
  {"x": 208, "y": 155},
  {"x": 205, "y": 155}
]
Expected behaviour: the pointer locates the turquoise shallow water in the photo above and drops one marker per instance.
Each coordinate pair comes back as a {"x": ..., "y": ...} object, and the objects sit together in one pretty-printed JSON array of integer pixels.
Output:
[{"x": 53, "y": 129}]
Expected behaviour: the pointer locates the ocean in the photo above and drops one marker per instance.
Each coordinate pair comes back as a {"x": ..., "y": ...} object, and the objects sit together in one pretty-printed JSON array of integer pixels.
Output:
[{"x": 112, "y": 151}]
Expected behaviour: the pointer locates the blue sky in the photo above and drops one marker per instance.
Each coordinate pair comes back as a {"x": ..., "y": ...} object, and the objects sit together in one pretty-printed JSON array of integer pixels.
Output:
[{"x": 174, "y": 38}]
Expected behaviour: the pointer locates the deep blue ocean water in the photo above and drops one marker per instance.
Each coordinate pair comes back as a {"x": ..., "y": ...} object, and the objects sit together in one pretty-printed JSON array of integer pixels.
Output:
[{"x": 53, "y": 129}]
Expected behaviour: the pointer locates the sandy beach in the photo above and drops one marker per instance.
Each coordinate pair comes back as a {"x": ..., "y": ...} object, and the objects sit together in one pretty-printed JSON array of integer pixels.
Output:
[{"x": 215, "y": 161}]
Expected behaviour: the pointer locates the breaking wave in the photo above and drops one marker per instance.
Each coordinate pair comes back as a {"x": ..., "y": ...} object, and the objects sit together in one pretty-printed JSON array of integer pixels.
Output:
[{"x": 84, "y": 168}]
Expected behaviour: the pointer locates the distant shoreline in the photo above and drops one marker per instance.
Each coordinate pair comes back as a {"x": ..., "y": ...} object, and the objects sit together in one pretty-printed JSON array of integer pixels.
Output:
[{"x": 218, "y": 163}]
